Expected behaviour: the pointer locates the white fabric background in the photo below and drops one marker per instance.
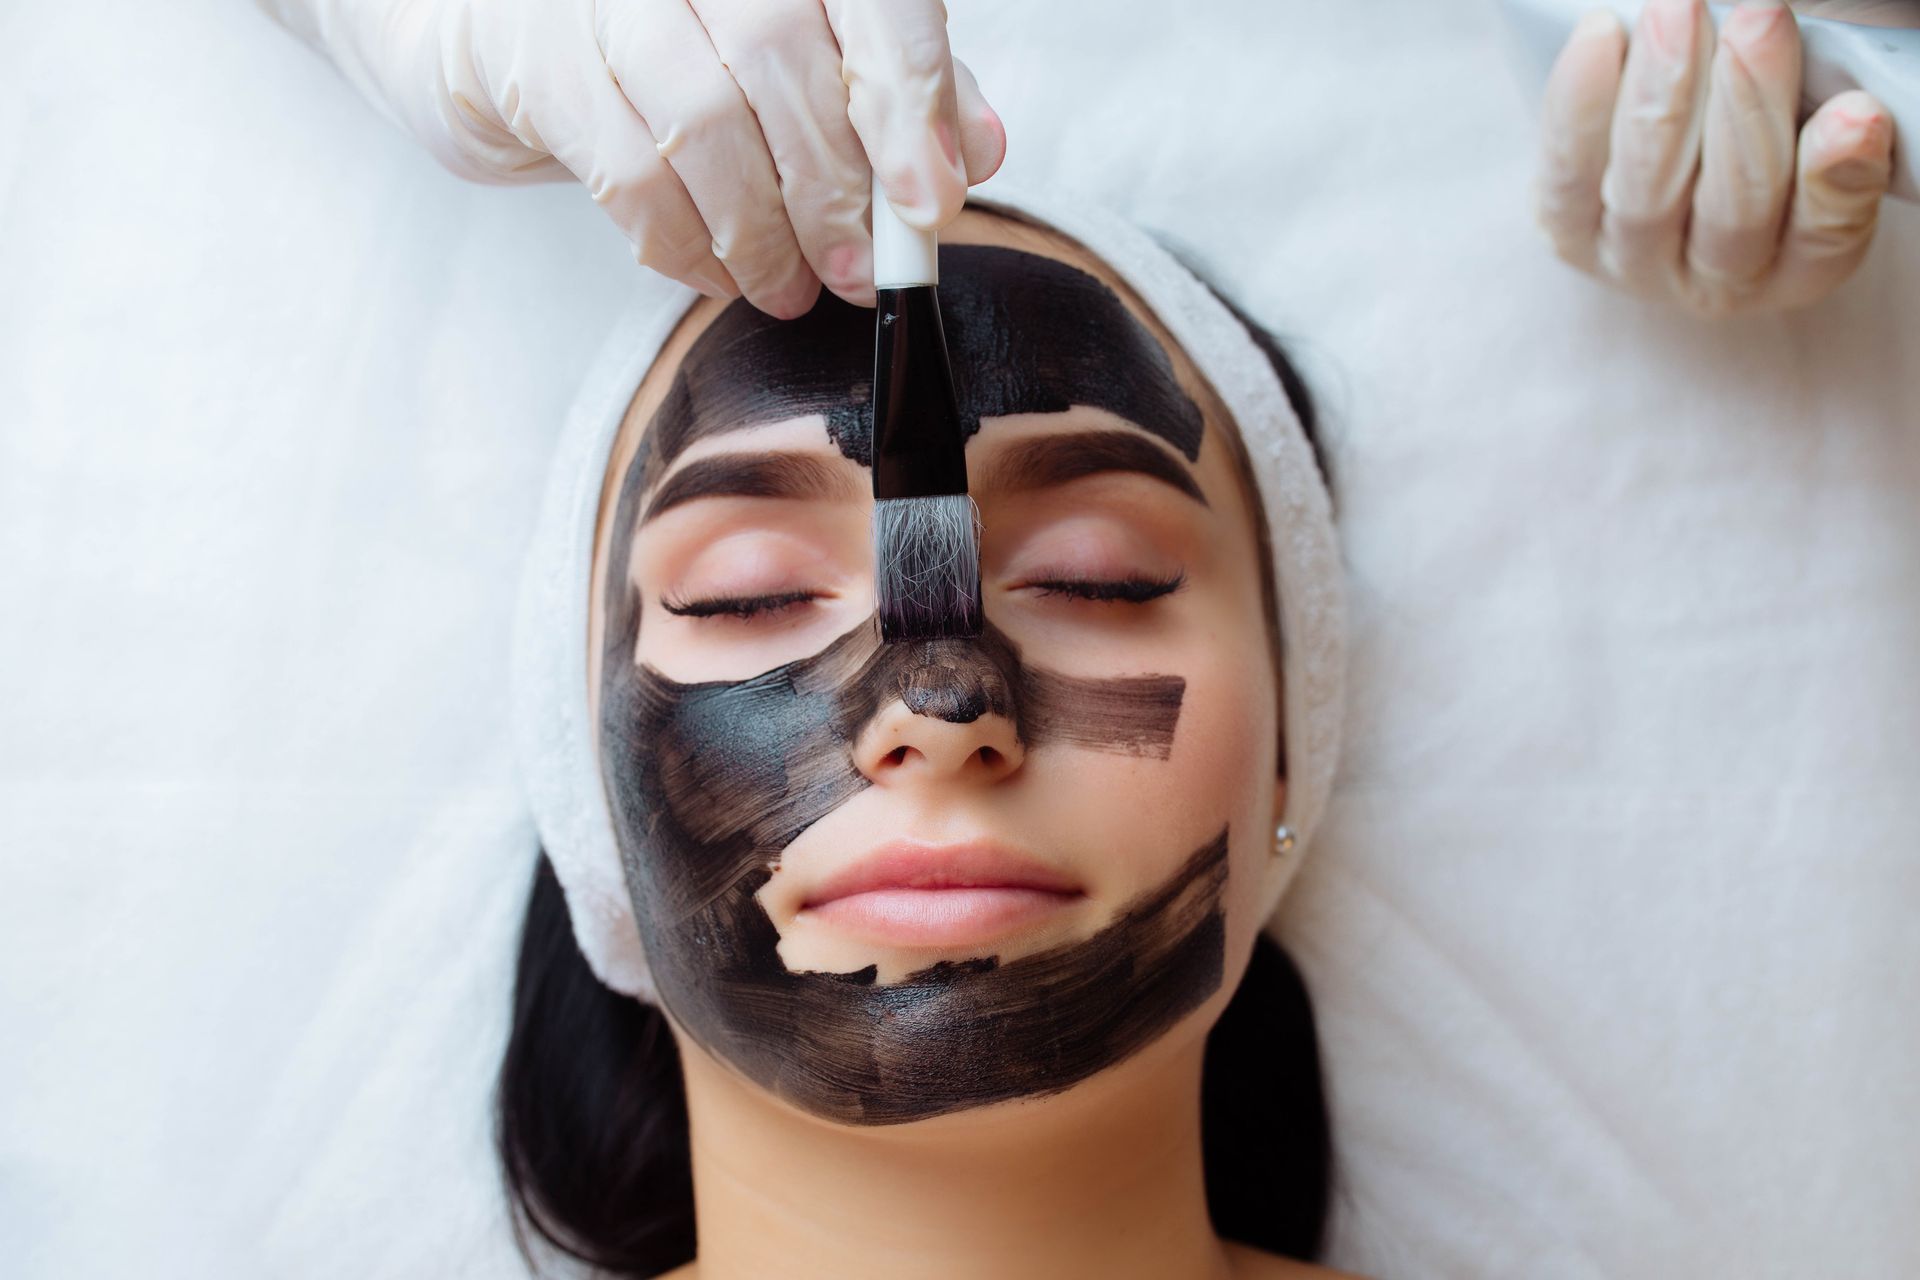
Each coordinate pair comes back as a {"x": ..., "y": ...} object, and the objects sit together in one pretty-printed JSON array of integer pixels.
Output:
[{"x": 1609, "y": 930}]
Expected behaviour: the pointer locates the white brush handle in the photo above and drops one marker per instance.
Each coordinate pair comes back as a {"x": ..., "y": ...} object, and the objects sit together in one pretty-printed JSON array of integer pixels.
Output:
[
  {"x": 1885, "y": 61},
  {"x": 902, "y": 255}
]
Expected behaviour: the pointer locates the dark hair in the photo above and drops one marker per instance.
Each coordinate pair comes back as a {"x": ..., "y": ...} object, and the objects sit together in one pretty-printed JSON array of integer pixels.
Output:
[{"x": 590, "y": 1116}]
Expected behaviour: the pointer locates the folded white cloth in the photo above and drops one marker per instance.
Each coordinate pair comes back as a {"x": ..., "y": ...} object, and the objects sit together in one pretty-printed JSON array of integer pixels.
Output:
[{"x": 555, "y": 740}]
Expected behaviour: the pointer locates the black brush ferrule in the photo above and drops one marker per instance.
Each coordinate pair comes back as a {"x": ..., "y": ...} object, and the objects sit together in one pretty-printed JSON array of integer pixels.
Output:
[{"x": 918, "y": 448}]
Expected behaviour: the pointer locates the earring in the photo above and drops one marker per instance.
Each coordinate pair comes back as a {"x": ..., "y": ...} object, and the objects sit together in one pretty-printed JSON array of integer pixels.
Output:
[{"x": 1282, "y": 839}]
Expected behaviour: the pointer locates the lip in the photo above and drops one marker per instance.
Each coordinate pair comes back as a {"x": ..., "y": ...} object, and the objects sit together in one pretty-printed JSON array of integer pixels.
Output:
[
  {"x": 977, "y": 864},
  {"x": 929, "y": 895}
]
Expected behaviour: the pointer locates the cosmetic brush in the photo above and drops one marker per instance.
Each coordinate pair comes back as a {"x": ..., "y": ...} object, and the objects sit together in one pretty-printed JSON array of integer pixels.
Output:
[{"x": 926, "y": 528}]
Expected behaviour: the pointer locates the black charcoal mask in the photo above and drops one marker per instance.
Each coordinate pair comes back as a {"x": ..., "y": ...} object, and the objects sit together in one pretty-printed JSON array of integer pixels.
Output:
[{"x": 709, "y": 782}]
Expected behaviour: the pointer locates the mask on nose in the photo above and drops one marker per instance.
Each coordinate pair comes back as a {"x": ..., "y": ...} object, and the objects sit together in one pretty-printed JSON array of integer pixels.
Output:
[{"x": 709, "y": 782}]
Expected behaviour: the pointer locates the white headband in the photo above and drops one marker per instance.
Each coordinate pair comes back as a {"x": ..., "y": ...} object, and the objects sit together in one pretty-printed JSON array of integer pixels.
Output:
[{"x": 556, "y": 741}]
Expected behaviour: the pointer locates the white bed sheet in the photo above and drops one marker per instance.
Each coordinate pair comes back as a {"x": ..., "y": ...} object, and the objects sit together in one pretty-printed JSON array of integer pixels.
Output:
[{"x": 1610, "y": 929}]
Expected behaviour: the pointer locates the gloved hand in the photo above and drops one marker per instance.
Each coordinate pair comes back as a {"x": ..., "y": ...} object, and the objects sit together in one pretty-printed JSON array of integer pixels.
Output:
[
  {"x": 730, "y": 140},
  {"x": 1669, "y": 166}
]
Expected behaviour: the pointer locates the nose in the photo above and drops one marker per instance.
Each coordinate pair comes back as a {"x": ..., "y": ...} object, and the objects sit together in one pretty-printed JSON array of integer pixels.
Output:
[{"x": 951, "y": 721}]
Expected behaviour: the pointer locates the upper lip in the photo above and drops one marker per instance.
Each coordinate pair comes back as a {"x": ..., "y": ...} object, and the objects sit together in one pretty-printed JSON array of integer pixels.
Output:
[{"x": 976, "y": 864}]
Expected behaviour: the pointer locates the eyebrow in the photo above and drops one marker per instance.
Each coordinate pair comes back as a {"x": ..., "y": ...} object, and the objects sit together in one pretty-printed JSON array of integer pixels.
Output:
[
  {"x": 1045, "y": 461},
  {"x": 752, "y": 475}
]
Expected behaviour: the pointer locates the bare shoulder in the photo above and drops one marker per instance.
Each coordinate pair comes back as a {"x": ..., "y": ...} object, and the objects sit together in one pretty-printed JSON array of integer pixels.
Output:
[{"x": 1250, "y": 1263}]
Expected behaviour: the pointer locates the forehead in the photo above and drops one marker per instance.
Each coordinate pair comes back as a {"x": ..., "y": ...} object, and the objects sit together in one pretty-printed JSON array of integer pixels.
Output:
[{"x": 1026, "y": 333}]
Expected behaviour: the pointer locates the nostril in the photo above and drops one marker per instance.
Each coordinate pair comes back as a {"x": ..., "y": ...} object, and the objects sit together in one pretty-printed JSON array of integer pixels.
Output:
[{"x": 991, "y": 759}]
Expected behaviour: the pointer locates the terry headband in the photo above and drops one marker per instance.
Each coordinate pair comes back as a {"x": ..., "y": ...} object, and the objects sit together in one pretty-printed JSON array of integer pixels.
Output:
[{"x": 555, "y": 737}]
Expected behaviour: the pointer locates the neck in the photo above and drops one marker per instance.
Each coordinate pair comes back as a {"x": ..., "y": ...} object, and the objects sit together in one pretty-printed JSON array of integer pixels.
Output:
[{"x": 1104, "y": 1179}]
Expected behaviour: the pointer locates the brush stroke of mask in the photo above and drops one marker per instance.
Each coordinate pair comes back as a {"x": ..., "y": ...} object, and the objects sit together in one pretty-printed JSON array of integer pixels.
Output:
[{"x": 709, "y": 782}]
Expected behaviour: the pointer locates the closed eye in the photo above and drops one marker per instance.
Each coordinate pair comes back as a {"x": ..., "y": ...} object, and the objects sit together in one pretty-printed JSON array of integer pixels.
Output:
[
  {"x": 741, "y": 607},
  {"x": 1133, "y": 589}
]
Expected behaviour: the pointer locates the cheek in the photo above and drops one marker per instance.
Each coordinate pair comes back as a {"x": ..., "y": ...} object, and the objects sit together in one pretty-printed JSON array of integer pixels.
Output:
[
  {"x": 1144, "y": 816},
  {"x": 1225, "y": 761},
  {"x": 1224, "y": 752}
]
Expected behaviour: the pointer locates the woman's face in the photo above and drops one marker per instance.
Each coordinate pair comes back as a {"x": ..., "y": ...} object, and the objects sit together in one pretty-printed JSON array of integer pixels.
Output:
[{"x": 1112, "y": 732}]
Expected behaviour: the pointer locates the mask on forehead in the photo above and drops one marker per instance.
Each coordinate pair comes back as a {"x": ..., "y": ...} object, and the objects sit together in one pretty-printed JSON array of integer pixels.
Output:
[
  {"x": 708, "y": 783},
  {"x": 1027, "y": 334}
]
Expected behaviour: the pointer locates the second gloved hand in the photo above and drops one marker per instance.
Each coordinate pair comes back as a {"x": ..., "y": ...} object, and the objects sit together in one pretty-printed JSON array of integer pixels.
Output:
[
  {"x": 1672, "y": 166},
  {"x": 731, "y": 141}
]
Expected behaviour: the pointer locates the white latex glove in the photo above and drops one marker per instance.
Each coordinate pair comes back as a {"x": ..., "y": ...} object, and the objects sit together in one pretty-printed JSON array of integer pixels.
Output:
[
  {"x": 729, "y": 140},
  {"x": 1671, "y": 166}
]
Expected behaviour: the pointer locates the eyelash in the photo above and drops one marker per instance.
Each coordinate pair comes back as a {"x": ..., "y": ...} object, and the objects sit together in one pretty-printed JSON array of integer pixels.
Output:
[
  {"x": 740, "y": 607},
  {"x": 1133, "y": 589},
  {"x": 1136, "y": 588}
]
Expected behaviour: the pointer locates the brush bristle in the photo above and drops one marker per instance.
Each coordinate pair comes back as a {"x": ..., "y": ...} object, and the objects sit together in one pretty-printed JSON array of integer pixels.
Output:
[{"x": 927, "y": 566}]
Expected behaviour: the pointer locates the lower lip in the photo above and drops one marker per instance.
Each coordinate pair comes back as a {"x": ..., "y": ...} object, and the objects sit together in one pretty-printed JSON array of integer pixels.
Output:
[{"x": 940, "y": 917}]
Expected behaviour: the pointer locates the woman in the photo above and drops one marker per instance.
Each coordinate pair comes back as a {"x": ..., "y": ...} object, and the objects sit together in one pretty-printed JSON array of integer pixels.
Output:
[
  {"x": 938, "y": 931},
  {"x": 827, "y": 1137}
]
